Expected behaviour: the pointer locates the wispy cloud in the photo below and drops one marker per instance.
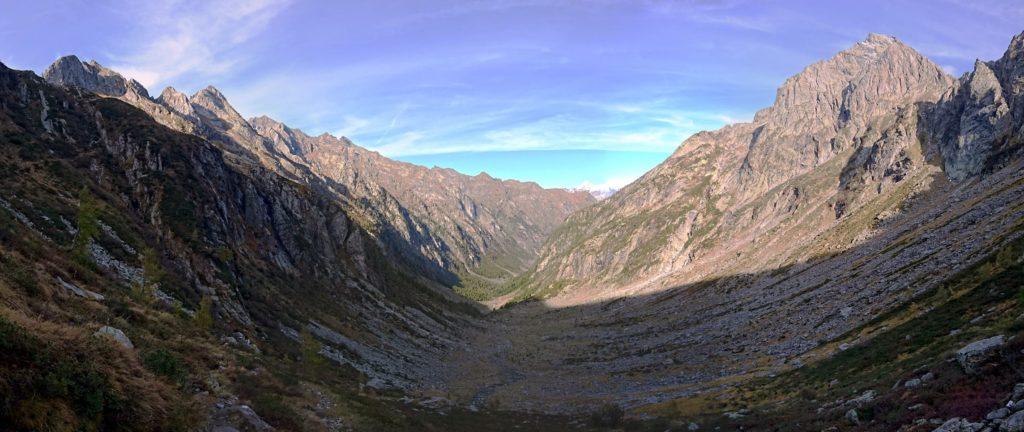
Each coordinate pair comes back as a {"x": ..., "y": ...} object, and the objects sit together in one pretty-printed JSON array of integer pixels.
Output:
[
  {"x": 646, "y": 126},
  {"x": 403, "y": 145},
  {"x": 723, "y": 13},
  {"x": 178, "y": 37},
  {"x": 392, "y": 123},
  {"x": 351, "y": 125}
]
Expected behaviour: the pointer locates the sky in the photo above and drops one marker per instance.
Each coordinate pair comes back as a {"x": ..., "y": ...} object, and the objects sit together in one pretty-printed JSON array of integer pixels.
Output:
[{"x": 555, "y": 91}]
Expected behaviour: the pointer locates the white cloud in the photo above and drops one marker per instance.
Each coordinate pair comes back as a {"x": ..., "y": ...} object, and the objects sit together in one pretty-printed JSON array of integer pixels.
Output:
[
  {"x": 403, "y": 145},
  {"x": 177, "y": 37},
  {"x": 732, "y": 120},
  {"x": 676, "y": 120},
  {"x": 351, "y": 125}
]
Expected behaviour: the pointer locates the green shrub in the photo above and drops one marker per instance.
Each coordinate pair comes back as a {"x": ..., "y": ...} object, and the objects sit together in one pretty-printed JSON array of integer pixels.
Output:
[
  {"x": 48, "y": 375},
  {"x": 272, "y": 408},
  {"x": 179, "y": 212},
  {"x": 166, "y": 364},
  {"x": 87, "y": 220},
  {"x": 21, "y": 276},
  {"x": 204, "y": 314},
  {"x": 310, "y": 350}
]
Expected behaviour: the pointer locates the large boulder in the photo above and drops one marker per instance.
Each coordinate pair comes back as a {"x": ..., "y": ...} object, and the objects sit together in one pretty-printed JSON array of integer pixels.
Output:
[
  {"x": 115, "y": 334},
  {"x": 971, "y": 356},
  {"x": 959, "y": 425},
  {"x": 1014, "y": 423}
]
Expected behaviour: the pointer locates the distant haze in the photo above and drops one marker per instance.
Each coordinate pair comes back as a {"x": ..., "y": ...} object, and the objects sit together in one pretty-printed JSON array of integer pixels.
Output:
[{"x": 552, "y": 168}]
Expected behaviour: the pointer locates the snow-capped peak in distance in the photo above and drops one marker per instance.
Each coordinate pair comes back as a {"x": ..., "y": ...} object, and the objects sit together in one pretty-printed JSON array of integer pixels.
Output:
[{"x": 601, "y": 190}]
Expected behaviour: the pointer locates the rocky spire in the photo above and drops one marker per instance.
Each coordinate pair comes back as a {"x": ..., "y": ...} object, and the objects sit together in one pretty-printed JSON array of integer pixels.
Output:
[
  {"x": 176, "y": 101},
  {"x": 211, "y": 103},
  {"x": 976, "y": 120}
]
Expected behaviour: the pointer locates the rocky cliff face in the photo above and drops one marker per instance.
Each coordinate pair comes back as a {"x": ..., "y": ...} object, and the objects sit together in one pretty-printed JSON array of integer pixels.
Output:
[
  {"x": 979, "y": 118},
  {"x": 438, "y": 221},
  {"x": 476, "y": 218}
]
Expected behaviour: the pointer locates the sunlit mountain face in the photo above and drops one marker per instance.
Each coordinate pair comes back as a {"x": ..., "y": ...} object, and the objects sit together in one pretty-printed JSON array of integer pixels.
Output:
[{"x": 450, "y": 216}]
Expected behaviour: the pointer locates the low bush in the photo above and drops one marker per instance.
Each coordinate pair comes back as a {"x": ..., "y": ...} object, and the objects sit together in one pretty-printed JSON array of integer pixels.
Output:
[
  {"x": 165, "y": 364},
  {"x": 57, "y": 379},
  {"x": 609, "y": 416}
]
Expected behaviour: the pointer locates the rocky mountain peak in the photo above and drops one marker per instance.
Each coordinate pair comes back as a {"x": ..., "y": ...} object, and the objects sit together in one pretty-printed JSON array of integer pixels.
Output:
[
  {"x": 879, "y": 38},
  {"x": 213, "y": 105},
  {"x": 976, "y": 120},
  {"x": 211, "y": 97},
  {"x": 90, "y": 76},
  {"x": 176, "y": 101},
  {"x": 879, "y": 69},
  {"x": 264, "y": 123},
  {"x": 1016, "y": 48},
  {"x": 1011, "y": 65},
  {"x": 819, "y": 111},
  {"x": 286, "y": 139}
]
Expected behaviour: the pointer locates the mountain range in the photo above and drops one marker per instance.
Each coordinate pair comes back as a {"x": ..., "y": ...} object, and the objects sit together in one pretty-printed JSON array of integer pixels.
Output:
[
  {"x": 851, "y": 259},
  {"x": 467, "y": 223}
]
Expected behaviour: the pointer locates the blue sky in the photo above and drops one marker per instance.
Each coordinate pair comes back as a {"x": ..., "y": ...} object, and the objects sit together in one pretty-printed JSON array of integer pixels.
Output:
[{"x": 495, "y": 82}]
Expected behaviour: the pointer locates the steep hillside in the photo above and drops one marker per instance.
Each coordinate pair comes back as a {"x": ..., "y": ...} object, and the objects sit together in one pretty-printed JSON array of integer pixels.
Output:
[
  {"x": 217, "y": 282},
  {"x": 446, "y": 225},
  {"x": 483, "y": 220}
]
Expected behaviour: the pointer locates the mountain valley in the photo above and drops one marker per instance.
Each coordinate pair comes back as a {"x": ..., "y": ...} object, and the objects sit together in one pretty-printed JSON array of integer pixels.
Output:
[{"x": 168, "y": 264}]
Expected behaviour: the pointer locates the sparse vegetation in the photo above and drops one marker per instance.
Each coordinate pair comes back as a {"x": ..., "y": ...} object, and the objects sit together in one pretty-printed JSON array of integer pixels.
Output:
[
  {"x": 152, "y": 273},
  {"x": 87, "y": 223},
  {"x": 608, "y": 416},
  {"x": 166, "y": 364},
  {"x": 204, "y": 315},
  {"x": 310, "y": 349}
]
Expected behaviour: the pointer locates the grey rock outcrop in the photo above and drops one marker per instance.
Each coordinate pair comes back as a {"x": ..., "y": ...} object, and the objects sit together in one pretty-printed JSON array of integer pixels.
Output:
[
  {"x": 91, "y": 76},
  {"x": 81, "y": 292},
  {"x": 115, "y": 334},
  {"x": 1014, "y": 423},
  {"x": 1000, "y": 413},
  {"x": 974, "y": 354},
  {"x": 979, "y": 118},
  {"x": 959, "y": 425}
]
